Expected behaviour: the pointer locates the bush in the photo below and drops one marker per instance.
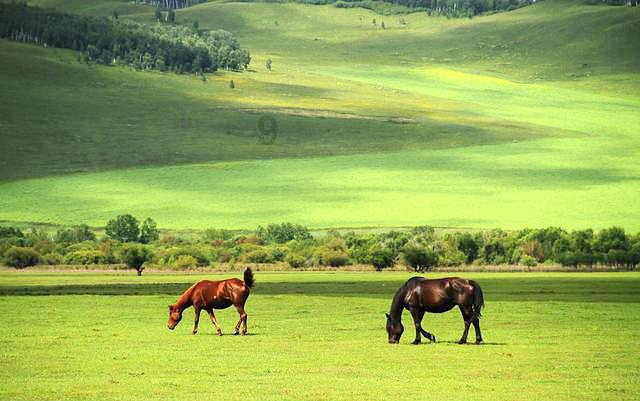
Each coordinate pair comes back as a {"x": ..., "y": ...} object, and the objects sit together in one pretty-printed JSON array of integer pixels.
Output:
[
  {"x": 52, "y": 258},
  {"x": 418, "y": 258},
  {"x": 9, "y": 232},
  {"x": 296, "y": 261},
  {"x": 283, "y": 233},
  {"x": 567, "y": 259},
  {"x": 259, "y": 255},
  {"x": 20, "y": 257},
  {"x": 85, "y": 257},
  {"x": 74, "y": 235},
  {"x": 170, "y": 255},
  {"x": 382, "y": 258},
  {"x": 452, "y": 257},
  {"x": 217, "y": 234},
  {"x": 135, "y": 256},
  {"x": 528, "y": 260},
  {"x": 334, "y": 258},
  {"x": 185, "y": 262}
]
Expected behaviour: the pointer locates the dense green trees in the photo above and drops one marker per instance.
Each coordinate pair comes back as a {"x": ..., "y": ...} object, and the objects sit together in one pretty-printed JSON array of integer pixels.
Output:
[
  {"x": 135, "y": 256},
  {"x": 452, "y": 8},
  {"x": 125, "y": 228},
  {"x": 114, "y": 41},
  {"x": 171, "y": 4},
  {"x": 419, "y": 248}
]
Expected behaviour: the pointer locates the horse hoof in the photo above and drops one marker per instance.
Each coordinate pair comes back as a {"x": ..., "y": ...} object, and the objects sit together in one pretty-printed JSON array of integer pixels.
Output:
[
  {"x": 219, "y": 333},
  {"x": 416, "y": 342},
  {"x": 236, "y": 333},
  {"x": 195, "y": 332},
  {"x": 462, "y": 342},
  {"x": 479, "y": 342}
]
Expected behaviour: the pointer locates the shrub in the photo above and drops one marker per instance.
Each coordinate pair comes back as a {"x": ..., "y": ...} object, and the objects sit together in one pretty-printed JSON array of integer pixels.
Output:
[
  {"x": 9, "y": 232},
  {"x": 135, "y": 255},
  {"x": 170, "y": 255},
  {"x": 85, "y": 257},
  {"x": 419, "y": 258},
  {"x": 452, "y": 257},
  {"x": 52, "y": 258},
  {"x": 334, "y": 258},
  {"x": 283, "y": 233},
  {"x": 20, "y": 257},
  {"x": 382, "y": 258},
  {"x": 185, "y": 262},
  {"x": 259, "y": 255},
  {"x": 296, "y": 261},
  {"x": 74, "y": 235},
  {"x": 568, "y": 259},
  {"x": 217, "y": 234},
  {"x": 528, "y": 260}
]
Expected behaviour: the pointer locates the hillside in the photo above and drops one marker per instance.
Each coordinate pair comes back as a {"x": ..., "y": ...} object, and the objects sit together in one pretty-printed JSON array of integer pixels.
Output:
[{"x": 500, "y": 120}]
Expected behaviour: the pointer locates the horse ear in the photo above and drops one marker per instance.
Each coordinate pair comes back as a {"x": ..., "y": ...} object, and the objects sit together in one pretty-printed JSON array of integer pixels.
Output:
[
  {"x": 170, "y": 307},
  {"x": 388, "y": 316}
]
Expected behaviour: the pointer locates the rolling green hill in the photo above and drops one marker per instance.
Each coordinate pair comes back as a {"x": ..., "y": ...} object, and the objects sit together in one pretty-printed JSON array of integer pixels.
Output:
[{"x": 525, "y": 118}]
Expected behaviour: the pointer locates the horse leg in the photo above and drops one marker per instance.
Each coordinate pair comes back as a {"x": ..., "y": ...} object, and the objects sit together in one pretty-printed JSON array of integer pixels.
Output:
[
  {"x": 430, "y": 336},
  {"x": 467, "y": 315},
  {"x": 214, "y": 321},
  {"x": 417, "y": 315},
  {"x": 476, "y": 326},
  {"x": 243, "y": 320},
  {"x": 196, "y": 319}
]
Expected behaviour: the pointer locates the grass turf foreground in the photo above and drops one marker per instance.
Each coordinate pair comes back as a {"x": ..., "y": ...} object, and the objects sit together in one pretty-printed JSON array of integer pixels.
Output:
[{"x": 316, "y": 336}]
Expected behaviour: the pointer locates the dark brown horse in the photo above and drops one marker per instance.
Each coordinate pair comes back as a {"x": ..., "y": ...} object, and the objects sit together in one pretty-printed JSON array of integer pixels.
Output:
[
  {"x": 420, "y": 295},
  {"x": 210, "y": 295}
]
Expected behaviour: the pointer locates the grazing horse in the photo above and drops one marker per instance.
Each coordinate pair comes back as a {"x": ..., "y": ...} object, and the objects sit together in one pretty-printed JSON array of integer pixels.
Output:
[
  {"x": 210, "y": 295},
  {"x": 420, "y": 295}
]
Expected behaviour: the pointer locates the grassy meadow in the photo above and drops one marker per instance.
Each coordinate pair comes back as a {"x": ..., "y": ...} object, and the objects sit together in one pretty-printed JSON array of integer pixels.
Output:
[
  {"x": 525, "y": 118},
  {"x": 316, "y": 336}
]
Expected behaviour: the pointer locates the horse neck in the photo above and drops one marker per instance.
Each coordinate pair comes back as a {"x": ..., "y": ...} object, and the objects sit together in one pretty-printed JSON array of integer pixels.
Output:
[
  {"x": 398, "y": 304},
  {"x": 185, "y": 299}
]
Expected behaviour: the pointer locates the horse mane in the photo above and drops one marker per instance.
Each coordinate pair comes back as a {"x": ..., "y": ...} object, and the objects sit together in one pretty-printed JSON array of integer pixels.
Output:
[
  {"x": 185, "y": 299},
  {"x": 397, "y": 305}
]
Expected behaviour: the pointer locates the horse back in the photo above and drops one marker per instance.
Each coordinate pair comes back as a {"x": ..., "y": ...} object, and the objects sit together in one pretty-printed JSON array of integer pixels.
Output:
[
  {"x": 440, "y": 295},
  {"x": 219, "y": 294}
]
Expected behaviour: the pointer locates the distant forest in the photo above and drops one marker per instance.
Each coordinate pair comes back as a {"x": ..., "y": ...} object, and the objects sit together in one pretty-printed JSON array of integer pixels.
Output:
[
  {"x": 450, "y": 8},
  {"x": 160, "y": 46},
  {"x": 171, "y": 4}
]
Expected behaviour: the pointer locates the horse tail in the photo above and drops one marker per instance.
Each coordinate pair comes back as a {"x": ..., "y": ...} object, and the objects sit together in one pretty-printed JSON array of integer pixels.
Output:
[
  {"x": 248, "y": 278},
  {"x": 478, "y": 299}
]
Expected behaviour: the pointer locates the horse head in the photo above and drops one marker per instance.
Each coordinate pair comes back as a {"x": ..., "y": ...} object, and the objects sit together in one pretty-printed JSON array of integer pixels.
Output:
[
  {"x": 394, "y": 329},
  {"x": 175, "y": 315}
]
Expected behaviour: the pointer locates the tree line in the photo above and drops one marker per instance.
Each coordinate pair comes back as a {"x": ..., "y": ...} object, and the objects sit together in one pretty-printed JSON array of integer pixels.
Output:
[
  {"x": 138, "y": 244},
  {"x": 108, "y": 41},
  {"x": 171, "y": 4},
  {"x": 451, "y": 8}
]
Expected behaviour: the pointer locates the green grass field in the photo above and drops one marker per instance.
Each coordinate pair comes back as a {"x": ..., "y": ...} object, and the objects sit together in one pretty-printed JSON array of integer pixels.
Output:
[
  {"x": 520, "y": 119},
  {"x": 316, "y": 336}
]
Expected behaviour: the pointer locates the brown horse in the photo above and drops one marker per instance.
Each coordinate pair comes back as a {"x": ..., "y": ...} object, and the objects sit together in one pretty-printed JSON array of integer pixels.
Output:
[
  {"x": 210, "y": 295},
  {"x": 420, "y": 295}
]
